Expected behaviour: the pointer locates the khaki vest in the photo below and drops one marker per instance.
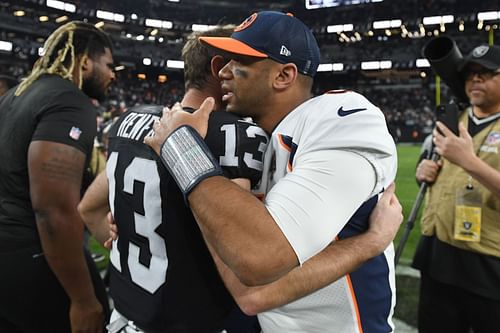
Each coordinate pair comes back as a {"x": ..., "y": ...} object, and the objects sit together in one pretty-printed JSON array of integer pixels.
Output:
[{"x": 439, "y": 216}]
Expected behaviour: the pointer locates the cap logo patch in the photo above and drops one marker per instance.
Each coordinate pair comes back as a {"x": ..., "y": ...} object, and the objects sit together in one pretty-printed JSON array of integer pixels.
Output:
[
  {"x": 284, "y": 51},
  {"x": 480, "y": 51},
  {"x": 245, "y": 24}
]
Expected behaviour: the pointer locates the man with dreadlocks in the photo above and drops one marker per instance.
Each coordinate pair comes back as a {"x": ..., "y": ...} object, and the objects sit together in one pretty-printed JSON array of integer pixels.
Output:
[{"x": 47, "y": 128}]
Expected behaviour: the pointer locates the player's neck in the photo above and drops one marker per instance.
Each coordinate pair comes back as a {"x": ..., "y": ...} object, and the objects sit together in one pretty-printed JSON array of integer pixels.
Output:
[{"x": 194, "y": 97}]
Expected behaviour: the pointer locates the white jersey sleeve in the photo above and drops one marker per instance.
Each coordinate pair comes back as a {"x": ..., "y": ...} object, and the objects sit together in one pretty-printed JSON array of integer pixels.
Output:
[
  {"x": 313, "y": 202},
  {"x": 337, "y": 154}
]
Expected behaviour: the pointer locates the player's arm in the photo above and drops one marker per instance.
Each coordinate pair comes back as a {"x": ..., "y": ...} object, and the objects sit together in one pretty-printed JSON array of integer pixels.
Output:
[
  {"x": 55, "y": 174},
  {"x": 94, "y": 208},
  {"x": 337, "y": 259},
  {"x": 240, "y": 227},
  {"x": 460, "y": 151}
]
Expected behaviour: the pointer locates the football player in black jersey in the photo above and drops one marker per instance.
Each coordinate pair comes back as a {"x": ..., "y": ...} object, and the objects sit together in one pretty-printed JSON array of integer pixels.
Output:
[
  {"x": 47, "y": 130},
  {"x": 163, "y": 278}
]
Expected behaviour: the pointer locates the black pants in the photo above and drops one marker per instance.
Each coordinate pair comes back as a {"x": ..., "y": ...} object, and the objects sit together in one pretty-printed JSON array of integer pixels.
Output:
[
  {"x": 446, "y": 308},
  {"x": 31, "y": 297}
]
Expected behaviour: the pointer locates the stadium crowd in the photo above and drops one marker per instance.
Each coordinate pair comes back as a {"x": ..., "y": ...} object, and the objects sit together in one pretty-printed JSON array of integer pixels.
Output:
[{"x": 408, "y": 107}]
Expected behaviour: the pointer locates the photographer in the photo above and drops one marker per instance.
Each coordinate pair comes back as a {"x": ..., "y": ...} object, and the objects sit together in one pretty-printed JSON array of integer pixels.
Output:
[{"x": 459, "y": 251}]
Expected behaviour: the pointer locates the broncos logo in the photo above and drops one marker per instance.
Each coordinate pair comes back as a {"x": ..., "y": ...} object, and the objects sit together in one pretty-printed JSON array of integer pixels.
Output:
[{"x": 245, "y": 24}]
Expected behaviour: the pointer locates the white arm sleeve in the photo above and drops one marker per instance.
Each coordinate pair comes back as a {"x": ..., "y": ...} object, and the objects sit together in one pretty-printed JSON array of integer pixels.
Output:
[{"x": 312, "y": 203}]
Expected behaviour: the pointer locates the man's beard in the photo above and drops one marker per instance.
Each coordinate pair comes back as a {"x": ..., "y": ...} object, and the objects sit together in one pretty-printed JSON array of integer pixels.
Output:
[{"x": 93, "y": 88}]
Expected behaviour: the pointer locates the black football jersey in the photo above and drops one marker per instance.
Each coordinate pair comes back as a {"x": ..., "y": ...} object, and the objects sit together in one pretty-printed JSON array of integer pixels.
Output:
[{"x": 162, "y": 275}]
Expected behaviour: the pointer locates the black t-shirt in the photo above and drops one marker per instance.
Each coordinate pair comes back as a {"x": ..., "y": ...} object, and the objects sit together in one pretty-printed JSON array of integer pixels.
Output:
[
  {"x": 162, "y": 275},
  {"x": 51, "y": 109},
  {"x": 471, "y": 271}
]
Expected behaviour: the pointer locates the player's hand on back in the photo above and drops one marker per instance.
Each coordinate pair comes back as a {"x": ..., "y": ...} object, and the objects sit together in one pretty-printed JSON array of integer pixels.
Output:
[
  {"x": 113, "y": 232},
  {"x": 175, "y": 117},
  {"x": 386, "y": 219}
]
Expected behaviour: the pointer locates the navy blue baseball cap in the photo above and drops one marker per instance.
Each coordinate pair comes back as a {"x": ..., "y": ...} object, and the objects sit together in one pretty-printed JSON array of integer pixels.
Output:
[{"x": 275, "y": 35}]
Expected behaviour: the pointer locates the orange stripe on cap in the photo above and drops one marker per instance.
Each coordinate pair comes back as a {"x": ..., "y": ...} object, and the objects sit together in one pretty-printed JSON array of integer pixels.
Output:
[{"x": 232, "y": 45}]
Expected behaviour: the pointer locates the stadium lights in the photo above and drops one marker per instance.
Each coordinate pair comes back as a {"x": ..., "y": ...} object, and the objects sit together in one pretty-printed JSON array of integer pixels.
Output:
[
  {"x": 119, "y": 68},
  {"x": 338, "y": 67},
  {"x": 19, "y": 13},
  {"x": 175, "y": 64},
  {"x": 461, "y": 26},
  {"x": 339, "y": 28},
  {"x": 5, "y": 46},
  {"x": 133, "y": 16},
  {"x": 99, "y": 24},
  {"x": 488, "y": 16},
  {"x": 311, "y": 4},
  {"x": 202, "y": 27},
  {"x": 374, "y": 65},
  {"x": 68, "y": 7},
  {"x": 325, "y": 68},
  {"x": 335, "y": 67},
  {"x": 431, "y": 20},
  {"x": 110, "y": 16},
  {"x": 158, "y": 24},
  {"x": 421, "y": 63},
  {"x": 61, "y": 19},
  {"x": 386, "y": 24},
  {"x": 43, "y": 18},
  {"x": 146, "y": 61},
  {"x": 162, "y": 78},
  {"x": 386, "y": 64},
  {"x": 140, "y": 37}
]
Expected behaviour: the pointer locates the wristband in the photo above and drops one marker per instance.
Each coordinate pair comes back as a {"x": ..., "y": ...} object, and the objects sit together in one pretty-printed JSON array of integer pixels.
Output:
[{"x": 188, "y": 158}]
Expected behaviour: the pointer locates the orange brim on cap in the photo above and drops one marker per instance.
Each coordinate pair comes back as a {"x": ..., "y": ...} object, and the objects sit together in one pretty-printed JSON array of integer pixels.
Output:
[{"x": 233, "y": 46}]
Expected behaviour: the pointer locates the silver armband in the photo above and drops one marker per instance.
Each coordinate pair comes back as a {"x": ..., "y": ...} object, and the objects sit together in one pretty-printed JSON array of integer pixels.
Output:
[{"x": 188, "y": 158}]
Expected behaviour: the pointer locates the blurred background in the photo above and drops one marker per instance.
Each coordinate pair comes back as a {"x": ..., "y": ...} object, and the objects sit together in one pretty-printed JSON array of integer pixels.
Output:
[{"x": 370, "y": 46}]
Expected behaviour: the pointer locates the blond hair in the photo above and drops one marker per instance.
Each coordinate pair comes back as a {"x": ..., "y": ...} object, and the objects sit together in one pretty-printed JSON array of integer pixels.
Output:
[
  {"x": 197, "y": 57},
  {"x": 61, "y": 50}
]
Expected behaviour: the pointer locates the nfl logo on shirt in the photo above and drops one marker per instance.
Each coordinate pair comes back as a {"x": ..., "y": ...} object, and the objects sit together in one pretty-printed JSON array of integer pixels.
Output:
[{"x": 74, "y": 133}]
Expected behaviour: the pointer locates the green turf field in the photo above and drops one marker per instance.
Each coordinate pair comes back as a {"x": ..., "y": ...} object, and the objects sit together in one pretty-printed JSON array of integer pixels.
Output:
[{"x": 406, "y": 190}]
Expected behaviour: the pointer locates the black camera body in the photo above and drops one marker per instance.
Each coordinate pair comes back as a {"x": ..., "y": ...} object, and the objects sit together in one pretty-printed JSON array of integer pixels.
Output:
[{"x": 446, "y": 59}]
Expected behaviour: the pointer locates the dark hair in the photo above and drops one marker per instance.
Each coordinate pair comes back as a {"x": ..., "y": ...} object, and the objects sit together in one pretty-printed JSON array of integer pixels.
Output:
[
  {"x": 62, "y": 48},
  {"x": 197, "y": 56}
]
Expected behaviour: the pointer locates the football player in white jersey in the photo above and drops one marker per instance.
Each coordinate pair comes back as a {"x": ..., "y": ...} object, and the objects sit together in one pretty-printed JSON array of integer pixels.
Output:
[{"x": 328, "y": 160}]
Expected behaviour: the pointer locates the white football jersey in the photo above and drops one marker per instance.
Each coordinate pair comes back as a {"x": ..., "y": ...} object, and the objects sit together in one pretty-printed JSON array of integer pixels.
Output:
[{"x": 324, "y": 168}]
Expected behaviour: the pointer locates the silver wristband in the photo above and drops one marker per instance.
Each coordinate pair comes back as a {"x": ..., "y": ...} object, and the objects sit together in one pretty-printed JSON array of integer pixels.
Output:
[{"x": 188, "y": 158}]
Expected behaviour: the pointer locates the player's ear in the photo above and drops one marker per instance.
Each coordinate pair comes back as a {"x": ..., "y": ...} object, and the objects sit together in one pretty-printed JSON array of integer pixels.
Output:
[
  {"x": 216, "y": 65},
  {"x": 286, "y": 76},
  {"x": 85, "y": 63}
]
